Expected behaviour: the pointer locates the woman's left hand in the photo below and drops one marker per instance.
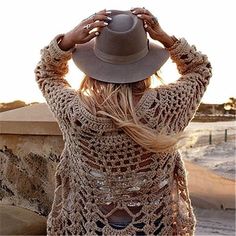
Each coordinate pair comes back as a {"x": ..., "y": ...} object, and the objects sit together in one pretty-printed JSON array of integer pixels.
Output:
[{"x": 85, "y": 30}]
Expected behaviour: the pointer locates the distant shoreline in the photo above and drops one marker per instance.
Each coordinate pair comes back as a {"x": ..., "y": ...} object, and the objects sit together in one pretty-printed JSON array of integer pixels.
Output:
[{"x": 213, "y": 118}]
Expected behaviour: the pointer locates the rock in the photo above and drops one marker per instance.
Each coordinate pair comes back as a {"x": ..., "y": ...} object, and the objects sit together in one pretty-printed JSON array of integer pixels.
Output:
[
  {"x": 27, "y": 169},
  {"x": 19, "y": 221}
]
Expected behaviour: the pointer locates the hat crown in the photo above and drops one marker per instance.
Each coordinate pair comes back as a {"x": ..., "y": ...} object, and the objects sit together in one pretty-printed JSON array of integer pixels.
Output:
[
  {"x": 123, "y": 41},
  {"x": 121, "y": 23}
]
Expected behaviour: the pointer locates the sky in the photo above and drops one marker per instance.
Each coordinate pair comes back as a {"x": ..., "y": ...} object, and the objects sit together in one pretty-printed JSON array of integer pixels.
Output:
[{"x": 29, "y": 25}]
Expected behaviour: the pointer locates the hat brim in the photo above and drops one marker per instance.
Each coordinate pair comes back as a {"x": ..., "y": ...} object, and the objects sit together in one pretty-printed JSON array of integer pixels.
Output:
[{"x": 85, "y": 59}]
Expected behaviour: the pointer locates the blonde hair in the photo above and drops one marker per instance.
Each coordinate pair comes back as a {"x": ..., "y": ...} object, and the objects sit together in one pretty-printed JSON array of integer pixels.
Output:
[{"x": 116, "y": 101}]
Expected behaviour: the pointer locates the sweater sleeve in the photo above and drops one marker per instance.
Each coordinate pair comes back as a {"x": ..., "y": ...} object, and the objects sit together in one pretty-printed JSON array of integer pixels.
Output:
[
  {"x": 176, "y": 103},
  {"x": 50, "y": 73}
]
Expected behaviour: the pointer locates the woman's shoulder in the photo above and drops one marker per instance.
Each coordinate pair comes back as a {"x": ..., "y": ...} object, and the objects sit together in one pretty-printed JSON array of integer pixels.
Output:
[{"x": 147, "y": 99}]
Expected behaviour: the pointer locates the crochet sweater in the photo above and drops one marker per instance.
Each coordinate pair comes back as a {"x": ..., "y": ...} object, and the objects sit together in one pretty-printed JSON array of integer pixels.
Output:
[{"x": 102, "y": 172}]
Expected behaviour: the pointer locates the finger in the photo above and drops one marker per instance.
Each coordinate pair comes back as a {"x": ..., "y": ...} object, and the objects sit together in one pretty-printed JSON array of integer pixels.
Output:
[
  {"x": 135, "y": 8},
  {"x": 96, "y": 24},
  {"x": 91, "y": 35},
  {"x": 141, "y": 11},
  {"x": 149, "y": 29},
  {"x": 91, "y": 18},
  {"x": 101, "y": 17},
  {"x": 147, "y": 18},
  {"x": 89, "y": 27},
  {"x": 98, "y": 18},
  {"x": 104, "y": 12},
  {"x": 138, "y": 9}
]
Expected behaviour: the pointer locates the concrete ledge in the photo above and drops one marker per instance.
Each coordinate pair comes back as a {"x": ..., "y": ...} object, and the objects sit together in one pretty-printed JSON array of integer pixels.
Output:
[
  {"x": 29, "y": 128},
  {"x": 31, "y": 120}
]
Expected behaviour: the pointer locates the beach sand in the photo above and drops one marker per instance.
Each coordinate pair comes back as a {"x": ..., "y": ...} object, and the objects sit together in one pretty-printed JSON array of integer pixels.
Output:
[
  {"x": 214, "y": 222},
  {"x": 209, "y": 190},
  {"x": 213, "y": 200}
]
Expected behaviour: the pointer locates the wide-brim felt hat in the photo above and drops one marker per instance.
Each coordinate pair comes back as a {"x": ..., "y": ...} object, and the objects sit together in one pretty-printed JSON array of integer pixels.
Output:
[{"x": 121, "y": 53}]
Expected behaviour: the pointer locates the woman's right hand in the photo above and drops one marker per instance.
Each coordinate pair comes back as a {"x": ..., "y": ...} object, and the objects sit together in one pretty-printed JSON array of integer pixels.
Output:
[
  {"x": 153, "y": 27},
  {"x": 86, "y": 30}
]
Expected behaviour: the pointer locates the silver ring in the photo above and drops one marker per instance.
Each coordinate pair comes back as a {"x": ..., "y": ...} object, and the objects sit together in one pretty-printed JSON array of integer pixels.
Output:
[{"x": 87, "y": 26}]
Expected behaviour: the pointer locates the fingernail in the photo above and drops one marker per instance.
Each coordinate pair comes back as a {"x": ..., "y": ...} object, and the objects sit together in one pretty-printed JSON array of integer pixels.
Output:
[
  {"x": 139, "y": 15},
  {"x": 145, "y": 26},
  {"x": 108, "y": 12},
  {"x": 97, "y": 33},
  {"x": 109, "y": 18},
  {"x": 133, "y": 11},
  {"x": 105, "y": 23}
]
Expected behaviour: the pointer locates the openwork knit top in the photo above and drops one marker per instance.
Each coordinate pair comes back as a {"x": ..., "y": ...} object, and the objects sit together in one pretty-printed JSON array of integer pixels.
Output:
[{"x": 103, "y": 172}]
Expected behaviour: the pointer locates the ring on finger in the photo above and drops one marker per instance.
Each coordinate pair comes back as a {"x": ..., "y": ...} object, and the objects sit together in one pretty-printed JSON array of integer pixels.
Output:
[{"x": 87, "y": 26}]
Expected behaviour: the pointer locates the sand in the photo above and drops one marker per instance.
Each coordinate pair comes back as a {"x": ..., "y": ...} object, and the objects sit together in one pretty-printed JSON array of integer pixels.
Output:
[
  {"x": 19, "y": 221},
  {"x": 215, "y": 222},
  {"x": 213, "y": 199},
  {"x": 208, "y": 190}
]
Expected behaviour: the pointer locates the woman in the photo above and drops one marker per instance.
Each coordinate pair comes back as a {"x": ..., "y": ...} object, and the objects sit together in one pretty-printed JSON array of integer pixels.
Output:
[{"x": 120, "y": 172}]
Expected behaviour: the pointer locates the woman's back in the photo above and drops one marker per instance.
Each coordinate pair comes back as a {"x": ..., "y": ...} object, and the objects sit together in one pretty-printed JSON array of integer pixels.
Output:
[
  {"x": 108, "y": 181},
  {"x": 110, "y": 178}
]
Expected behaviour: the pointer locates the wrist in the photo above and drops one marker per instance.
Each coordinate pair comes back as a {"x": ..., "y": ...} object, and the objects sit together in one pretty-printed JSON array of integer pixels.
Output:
[
  {"x": 65, "y": 42},
  {"x": 167, "y": 40}
]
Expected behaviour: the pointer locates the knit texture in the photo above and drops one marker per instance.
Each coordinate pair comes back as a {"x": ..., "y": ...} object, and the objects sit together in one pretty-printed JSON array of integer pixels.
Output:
[{"x": 103, "y": 173}]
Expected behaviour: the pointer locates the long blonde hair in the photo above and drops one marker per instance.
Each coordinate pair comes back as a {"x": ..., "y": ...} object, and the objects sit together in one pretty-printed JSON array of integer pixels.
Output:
[{"x": 116, "y": 101}]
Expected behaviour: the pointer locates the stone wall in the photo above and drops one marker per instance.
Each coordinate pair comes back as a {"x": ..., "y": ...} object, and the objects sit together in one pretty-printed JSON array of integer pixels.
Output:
[{"x": 27, "y": 168}]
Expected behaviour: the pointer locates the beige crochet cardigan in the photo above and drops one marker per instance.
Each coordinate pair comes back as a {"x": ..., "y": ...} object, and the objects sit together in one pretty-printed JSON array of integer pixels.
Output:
[{"x": 102, "y": 166}]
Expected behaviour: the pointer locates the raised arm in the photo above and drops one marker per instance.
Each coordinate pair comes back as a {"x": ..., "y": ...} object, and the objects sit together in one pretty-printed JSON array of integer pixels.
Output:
[
  {"x": 53, "y": 66},
  {"x": 183, "y": 97},
  {"x": 50, "y": 73},
  {"x": 175, "y": 104}
]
